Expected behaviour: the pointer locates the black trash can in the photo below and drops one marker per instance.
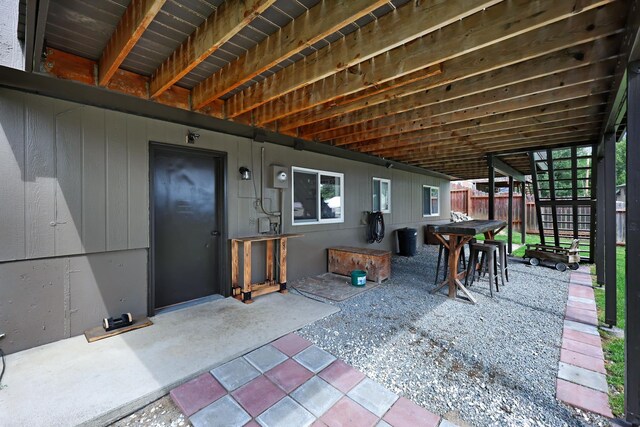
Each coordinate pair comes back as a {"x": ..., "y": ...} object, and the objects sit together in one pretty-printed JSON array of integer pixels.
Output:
[{"x": 407, "y": 241}]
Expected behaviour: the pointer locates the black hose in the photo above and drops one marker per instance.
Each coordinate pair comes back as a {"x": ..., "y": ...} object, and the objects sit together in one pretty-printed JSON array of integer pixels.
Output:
[
  {"x": 375, "y": 227},
  {"x": 4, "y": 365}
]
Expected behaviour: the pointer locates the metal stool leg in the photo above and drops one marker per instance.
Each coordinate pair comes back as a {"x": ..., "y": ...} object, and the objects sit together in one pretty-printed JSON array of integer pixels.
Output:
[{"x": 491, "y": 264}]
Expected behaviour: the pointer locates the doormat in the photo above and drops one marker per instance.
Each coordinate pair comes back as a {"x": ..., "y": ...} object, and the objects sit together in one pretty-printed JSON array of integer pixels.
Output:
[
  {"x": 331, "y": 286},
  {"x": 98, "y": 333}
]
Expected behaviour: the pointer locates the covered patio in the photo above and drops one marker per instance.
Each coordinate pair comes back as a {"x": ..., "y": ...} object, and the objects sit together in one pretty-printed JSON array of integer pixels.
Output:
[{"x": 343, "y": 97}]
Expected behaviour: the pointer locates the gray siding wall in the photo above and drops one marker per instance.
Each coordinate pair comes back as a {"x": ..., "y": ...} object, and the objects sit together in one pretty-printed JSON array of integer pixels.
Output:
[{"x": 74, "y": 211}]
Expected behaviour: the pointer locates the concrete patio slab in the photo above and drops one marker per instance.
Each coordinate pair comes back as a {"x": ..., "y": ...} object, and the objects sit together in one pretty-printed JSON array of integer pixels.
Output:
[
  {"x": 197, "y": 393},
  {"x": 314, "y": 359},
  {"x": 341, "y": 376},
  {"x": 317, "y": 396},
  {"x": 291, "y": 344},
  {"x": 373, "y": 396},
  {"x": 581, "y": 376},
  {"x": 287, "y": 412},
  {"x": 348, "y": 413},
  {"x": 266, "y": 358},
  {"x": 289, "y": 375},
  {"x": 235, "y": 374},
  {"x": 228, "y": 414},
  {"x": 577, "y": 326},
  {"x": 258, "y": 395},
  {"x": 406, "y": 413},
  {"x": 138, "y": 367},
  {"x": 595, "y": 364},
  {"x": 584, "y": 398}
]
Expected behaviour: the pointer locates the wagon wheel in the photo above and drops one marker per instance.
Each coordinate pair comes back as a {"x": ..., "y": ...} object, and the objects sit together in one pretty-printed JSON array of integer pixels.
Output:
[
  {"x": 574, "y": 266},
  {"x": 534, "y": 261},
  {"x": 561, "y": 266}
]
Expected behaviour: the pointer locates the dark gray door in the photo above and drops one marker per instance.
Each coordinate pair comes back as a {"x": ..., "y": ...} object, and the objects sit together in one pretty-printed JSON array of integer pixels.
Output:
[{"x": 186, "y": 185}]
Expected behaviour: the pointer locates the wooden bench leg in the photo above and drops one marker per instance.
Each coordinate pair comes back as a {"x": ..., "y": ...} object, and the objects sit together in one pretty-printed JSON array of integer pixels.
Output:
[
  {"x": 283, "y": 266},
  {"x": 246, "y": 288}
]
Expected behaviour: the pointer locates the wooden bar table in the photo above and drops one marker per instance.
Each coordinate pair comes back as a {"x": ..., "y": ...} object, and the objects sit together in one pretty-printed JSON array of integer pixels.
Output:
[
  {"x": 248, "y": 290},
  {"x": 459, "y": 234}
]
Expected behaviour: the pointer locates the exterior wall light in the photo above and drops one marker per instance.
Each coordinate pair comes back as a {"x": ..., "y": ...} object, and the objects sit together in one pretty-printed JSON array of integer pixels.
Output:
[{"x": 245, "y": 173}]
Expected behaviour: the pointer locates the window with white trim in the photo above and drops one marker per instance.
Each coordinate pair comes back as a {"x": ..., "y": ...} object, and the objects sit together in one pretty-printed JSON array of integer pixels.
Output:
[
  {"x": 317, "y": 196},
  {"x": 430, "y": 201},
  {"x": 381, "y": 195}
]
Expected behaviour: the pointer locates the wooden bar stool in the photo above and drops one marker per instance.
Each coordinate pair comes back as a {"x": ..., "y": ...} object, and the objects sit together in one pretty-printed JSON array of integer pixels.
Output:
[
  {"x": 488, "y": 254},
  {"x": 502, "y": 258},
  {"x": 441, "y": 249}
]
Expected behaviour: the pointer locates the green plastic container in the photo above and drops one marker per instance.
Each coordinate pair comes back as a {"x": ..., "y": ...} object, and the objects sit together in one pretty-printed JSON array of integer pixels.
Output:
[{"x": 358, "y": 278}]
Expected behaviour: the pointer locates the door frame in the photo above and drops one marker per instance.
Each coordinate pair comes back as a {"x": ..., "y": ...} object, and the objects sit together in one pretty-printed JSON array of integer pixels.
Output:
[{"x": 221, "y": 208}]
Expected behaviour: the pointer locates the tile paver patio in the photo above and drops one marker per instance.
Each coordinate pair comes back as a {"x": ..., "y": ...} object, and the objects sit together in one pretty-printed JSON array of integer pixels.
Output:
[
  {"x": 582, "y": 378},
  {"x": 290, "y": 394}
]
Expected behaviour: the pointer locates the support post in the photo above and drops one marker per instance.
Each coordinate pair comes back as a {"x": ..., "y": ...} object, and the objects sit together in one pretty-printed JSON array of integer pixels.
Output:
[
  {"x": 523, "y": 207},
  {"x": 492, "y": 188},
  {"x": 600, "y": 225},
  {"x": 609, "y": 193},
  {"x": 632, "y": 329},
  {"x": 510, "y": 217}
]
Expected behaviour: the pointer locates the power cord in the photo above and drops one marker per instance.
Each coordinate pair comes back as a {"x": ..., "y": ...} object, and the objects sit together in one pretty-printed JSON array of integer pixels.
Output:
[{"x": 4, "y": 366}]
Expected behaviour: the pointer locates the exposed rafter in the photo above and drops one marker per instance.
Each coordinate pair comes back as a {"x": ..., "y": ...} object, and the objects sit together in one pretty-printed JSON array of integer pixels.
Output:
[
  {"x": 133, "y": 23},
  {"x": 478, "y": 30},
  {"x": 224, "y": 23},
  {"x": 319, "y": 22},
  {"x": 408, "y": 23}
]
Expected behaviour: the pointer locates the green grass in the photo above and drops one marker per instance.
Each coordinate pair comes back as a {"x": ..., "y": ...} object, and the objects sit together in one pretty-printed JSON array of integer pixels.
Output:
[{"x": 614, "y": 347}]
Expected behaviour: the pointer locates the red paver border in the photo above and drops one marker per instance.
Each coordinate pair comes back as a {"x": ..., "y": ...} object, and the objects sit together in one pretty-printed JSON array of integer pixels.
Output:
[{"x": 581, "y": 349}]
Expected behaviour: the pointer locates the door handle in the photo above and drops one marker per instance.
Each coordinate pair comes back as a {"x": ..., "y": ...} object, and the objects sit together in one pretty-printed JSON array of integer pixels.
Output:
[{"x": 215, "y": 233}]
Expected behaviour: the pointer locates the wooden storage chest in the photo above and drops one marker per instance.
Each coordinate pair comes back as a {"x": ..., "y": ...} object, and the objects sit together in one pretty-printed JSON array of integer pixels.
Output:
[{"x": 344, "y": 259}]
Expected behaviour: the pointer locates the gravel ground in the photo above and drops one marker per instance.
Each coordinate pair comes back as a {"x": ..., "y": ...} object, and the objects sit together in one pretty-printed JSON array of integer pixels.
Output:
[
  {"x": 494, "y": 363},
  {"x": 161, "y": 413}
]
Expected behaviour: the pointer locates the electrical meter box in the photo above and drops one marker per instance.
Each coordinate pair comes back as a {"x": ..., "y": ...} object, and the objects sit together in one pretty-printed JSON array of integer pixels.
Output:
[{"x": 280, "y": 176}]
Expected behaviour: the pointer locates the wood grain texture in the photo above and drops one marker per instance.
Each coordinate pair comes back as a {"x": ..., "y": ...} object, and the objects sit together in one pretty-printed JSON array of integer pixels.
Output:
[
  {"x": 130, "y": 28},
  {"x": 12, "y": 169},
  {"x": 117, "y": 181},
  {"x": 320, "y": 21},
  {"x": 224, "y": 23},
  {"x": 428, "y": 48}
]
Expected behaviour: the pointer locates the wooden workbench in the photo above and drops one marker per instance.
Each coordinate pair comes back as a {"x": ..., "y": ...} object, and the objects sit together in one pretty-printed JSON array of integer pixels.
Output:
[{"x": 248, "y": 290}]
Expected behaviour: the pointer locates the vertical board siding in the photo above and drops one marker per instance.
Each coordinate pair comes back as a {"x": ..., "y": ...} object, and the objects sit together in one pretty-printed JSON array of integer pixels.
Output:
[
  {"x": 40, "y": 179},
  {"x": 69, "y": 183},
  {"x": 94, "y": 181},
  {"x": 12, "y": 197},
  {"x": 117, "y": 181},
  {"x": 138, "y": 171}
]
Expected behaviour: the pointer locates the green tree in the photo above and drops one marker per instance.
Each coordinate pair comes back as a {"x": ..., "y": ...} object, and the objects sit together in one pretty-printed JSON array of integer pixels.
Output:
[{"x": 621, "y": 161}]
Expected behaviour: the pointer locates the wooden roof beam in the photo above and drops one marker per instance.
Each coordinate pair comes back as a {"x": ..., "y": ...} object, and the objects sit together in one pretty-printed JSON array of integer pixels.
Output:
[
  {"x": 456, "y": 82},
  {"x": 224, "y": 23},
  {"x": 403, "y": 144},
  {"x": 457, "y": 151},
  {"x": 517, "y": 97},
  {"x": 403, "y": 25},
  {"x": 453, "y": 141},
  {"x": 500, "y": 85},
  {"x": 533, "y": 112},
  {"x": 317, "y": 23},
  {"x": 136, "y": 19},
  {"x": 477, "y": 31}
]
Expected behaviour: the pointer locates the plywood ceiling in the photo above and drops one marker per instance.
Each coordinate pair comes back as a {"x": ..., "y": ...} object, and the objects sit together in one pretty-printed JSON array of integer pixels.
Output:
[{"x": 438, "y": 84}]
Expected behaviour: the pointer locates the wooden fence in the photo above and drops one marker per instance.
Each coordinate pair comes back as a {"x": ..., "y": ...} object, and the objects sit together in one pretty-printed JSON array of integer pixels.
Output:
[{"x": 476, "y": 205}]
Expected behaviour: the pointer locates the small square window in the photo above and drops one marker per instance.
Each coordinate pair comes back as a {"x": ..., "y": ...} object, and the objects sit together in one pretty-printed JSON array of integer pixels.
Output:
[
  {"x": 430, "y": 201},
  {"x": 381, "y": 195}
]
